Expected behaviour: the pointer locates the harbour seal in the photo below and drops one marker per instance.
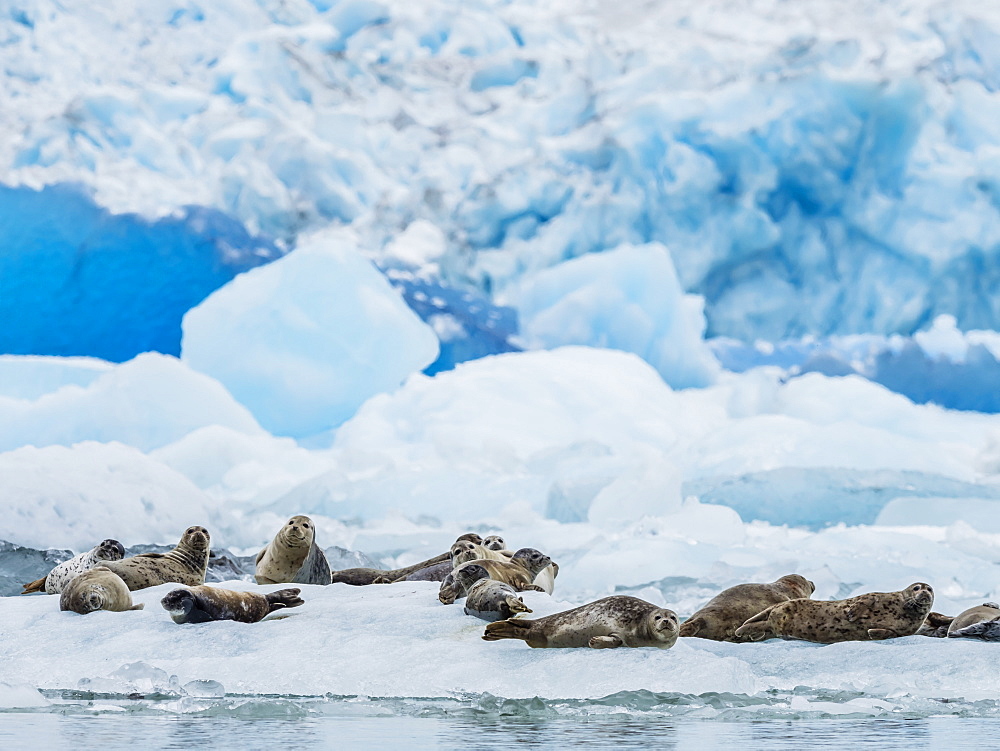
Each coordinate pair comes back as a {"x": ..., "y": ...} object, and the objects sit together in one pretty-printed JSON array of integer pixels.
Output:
[
  {"x": 461, "y": 580},
  {"x": 495, "y": 542},
  {"x": 493, "y": 601},
  {"x": 185, "y": 564},
  {"x": 617, "y": 621},
  {"x": 96, "y": 589},
  {"x": 204, "y": 603},
  {"x": 519, "y": 572},
  {"x": 728, "y": 610},
  {"x": 56, "y": 580},
  {"x": 464, "y": 551},
  {"x": 875, "y": 615},
  {"x": 293, "y": 556},
  {"x": 359, "y": 577},
  {"x": 980, "y": 622}
]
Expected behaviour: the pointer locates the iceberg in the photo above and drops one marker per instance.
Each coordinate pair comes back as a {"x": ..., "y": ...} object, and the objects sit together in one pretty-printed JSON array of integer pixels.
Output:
[{"x": 304, "y": 341}]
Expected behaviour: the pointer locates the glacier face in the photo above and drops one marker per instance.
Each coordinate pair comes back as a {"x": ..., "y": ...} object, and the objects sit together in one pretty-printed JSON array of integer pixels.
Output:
[{"x": 811, "y": 172}]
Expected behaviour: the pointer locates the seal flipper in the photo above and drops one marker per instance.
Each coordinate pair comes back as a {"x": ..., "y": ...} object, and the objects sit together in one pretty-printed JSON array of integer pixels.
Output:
[
  {"x": 757, "y": 628},
  {"x": 508, "y": 629},
  {"x": 36, "y": 586},
  {"x": 197, "y": 615},
  {"x": 140, "y": 606},
  {"x": 516, "y": 605},
  {"x": 985, "y": 630},
  {"x": 876, "y": 634},
  {"x": 284, "y": 598},
  {"x": 692, "y": 626},
  {"x": 935, "y": 625},
  {"x": 611, "y": 641}
]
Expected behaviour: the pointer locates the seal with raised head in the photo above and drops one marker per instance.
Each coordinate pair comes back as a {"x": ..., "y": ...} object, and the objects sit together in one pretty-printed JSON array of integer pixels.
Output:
[
  {"x": 96, "y": 589},
  {"x": 54, "y": 581},
  {"x": 980, "y": 622},
  {"x": 493, "y": 601},
  {"x": 496, "y": 542},
  {"x": 519, "y": 572},
  {"x": 727, "y": 611},
  {"x": 871, "y": 616},
  {"x": 359, "y": 577},
  {"x": 185, "y": 564},
  {"x": 204, "y": 603},
  {"x": 617, "y": 621},
  {"x": 293, "y": 556}
]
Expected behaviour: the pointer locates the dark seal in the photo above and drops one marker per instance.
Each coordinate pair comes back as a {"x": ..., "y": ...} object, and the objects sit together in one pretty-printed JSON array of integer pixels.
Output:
[{"x": 203, "y": 603}]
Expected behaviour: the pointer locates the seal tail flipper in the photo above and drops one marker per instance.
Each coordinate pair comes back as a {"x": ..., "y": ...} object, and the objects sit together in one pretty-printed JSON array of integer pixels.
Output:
[
  {"x": 985, "y": 630},
  {"x": 692, "y": 626},
  {"x": 509, "y": 629},
  {"x": 516, "y": 605},
  {"x": 38, "y": 585},
  {"x": 756, "y": 628},
  {"x": 284, "y": 598},
  {"x": 140, "y": 606},
  {"x": 935, "y": 625}
]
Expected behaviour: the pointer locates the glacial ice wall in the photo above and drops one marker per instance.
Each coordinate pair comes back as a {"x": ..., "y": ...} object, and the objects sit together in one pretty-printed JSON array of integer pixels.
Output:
[{"x": 811, "y": 171}]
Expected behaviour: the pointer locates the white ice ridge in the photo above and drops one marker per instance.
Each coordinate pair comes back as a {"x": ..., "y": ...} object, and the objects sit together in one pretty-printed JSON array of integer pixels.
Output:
[
  {"x": 573, "y": 435},
  {"x": 398, "y": 640}
]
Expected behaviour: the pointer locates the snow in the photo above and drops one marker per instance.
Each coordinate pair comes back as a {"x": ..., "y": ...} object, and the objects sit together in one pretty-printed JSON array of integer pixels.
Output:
[
  {"x": 359, "y": 645},
  {"x": 103, "y": 487},
  {"x": 146, "y": 402}
]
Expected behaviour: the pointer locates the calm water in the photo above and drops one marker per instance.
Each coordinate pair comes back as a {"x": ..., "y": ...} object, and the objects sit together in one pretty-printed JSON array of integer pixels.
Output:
[
  {"x": 109, "y": 733},
  {"x": 630, "y": 720}
]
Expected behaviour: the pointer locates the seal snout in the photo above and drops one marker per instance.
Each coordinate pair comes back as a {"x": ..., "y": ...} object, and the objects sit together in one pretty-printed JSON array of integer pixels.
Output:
[
  {"x": 666, "y": 621},
  {"x": 197, "y": 537},
  {"x": 922, "y": 593},
  {"x": 177, "y": 601}
]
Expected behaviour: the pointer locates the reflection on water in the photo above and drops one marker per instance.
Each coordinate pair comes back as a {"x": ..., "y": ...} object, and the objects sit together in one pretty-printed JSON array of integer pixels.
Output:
[
  {"x": 128, "y": 732},
  {"x": 202, "y": 715}
]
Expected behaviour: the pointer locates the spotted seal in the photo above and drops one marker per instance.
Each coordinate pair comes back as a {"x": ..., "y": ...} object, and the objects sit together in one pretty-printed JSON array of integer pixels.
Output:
[
  {"x": 359, "y": 577},
  {"x": 204, "y": 603},
  {"x": 875, "y": 615},
  {"x": 493, "y": 601},
  {"x": 518, "y": 573},
  {"x": 56, "y": 580},
  {"x": 727, "y": 611},
  {"x": 185, "y": 564},
  {"x": 980, "y": 622},
  {"x": 617, "y": 621},
  {"x": 96, "y": 589},
  {"x": 293, "y": 556}
]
